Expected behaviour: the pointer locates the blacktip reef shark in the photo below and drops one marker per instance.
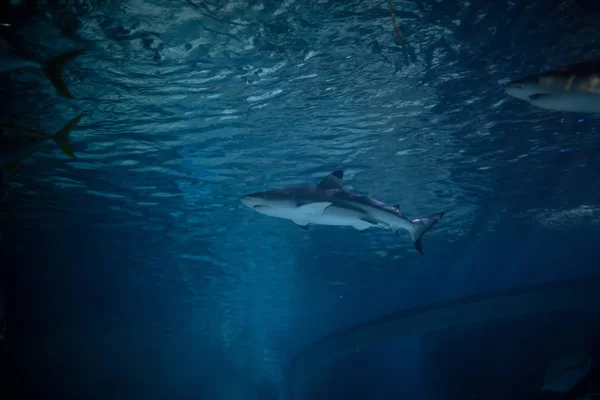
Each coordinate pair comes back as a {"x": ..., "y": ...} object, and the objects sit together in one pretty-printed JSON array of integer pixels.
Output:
[
  {"x": 573, "y": 88},
  {"x": 11, "y": 59},
  {"x": 18, "y": 142},
  {"x": 329, "y": 203}
]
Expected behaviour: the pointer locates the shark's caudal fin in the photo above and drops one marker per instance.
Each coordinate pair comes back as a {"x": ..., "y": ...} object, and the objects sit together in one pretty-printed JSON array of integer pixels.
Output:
[
  {"x": 62, "y": 136},
  {"x": 421, "y": 226},
  {"x": 53, "y": 71}
]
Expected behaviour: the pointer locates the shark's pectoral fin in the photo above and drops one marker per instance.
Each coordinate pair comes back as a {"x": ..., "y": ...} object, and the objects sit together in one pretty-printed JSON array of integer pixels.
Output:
[
  {"x": 308, "y": 212},
  {"x": 314, "y": 208},
  {"x": 302, "y": 223},
  {"x": 361, "y": 226}
]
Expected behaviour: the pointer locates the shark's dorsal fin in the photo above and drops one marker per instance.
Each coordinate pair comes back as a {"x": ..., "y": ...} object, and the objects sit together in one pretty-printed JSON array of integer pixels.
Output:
[{"x": 332, "y": 181}]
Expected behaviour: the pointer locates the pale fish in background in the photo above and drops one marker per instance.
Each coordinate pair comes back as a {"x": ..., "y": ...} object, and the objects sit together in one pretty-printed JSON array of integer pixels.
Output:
[{"x": 574, "y": 88}]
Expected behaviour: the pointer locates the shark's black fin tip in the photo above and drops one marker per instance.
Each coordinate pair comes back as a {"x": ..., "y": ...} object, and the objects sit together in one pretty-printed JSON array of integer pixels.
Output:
[
  {"x": 332, "y": 181},
  {"x": 305, "y": 227},
  {"x": 418, "y": 245}
]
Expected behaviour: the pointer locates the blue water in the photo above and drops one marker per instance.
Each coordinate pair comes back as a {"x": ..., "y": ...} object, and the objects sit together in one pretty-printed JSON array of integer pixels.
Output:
[{"x": 134, "y": 271}]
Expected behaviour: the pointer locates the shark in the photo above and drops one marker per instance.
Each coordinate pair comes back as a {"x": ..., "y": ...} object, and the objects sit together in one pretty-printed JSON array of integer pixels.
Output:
[
  {"x": 12, "y": 59},
  {"x": 572, "y": 88},
  {"x": 329, "y": 203}
]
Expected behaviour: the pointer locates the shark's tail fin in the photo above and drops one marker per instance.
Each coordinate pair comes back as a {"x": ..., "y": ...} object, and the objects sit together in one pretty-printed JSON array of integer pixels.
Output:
[
  {"x": 62, "y": 136},
  {"x": 421, "y": 226},
  {"x": 53, "y": 71}
]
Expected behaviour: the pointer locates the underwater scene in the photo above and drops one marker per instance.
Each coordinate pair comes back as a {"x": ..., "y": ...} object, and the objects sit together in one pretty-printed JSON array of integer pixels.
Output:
[{"x": 300, "y": 199}]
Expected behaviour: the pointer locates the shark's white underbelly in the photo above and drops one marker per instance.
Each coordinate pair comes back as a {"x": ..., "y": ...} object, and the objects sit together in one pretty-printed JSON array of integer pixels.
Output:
[
  {"x": 327, "y": 213},
  {"x": 570, "y": 101},
  {"x": 341, "y": 216},
  {"x": 340, "y": 221},
  {"x": 334, "y": 215}
]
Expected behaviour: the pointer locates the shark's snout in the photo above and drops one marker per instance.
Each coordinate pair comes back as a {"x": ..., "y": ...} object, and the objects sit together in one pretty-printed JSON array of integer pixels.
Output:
[
  {"x": 248, "y": 201},
  {"x": 516, "y": 90},
  {"x": 523, "y": 88},
  {"x": 514, "y": 87},
  {"x": 253, "y": 200}
]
